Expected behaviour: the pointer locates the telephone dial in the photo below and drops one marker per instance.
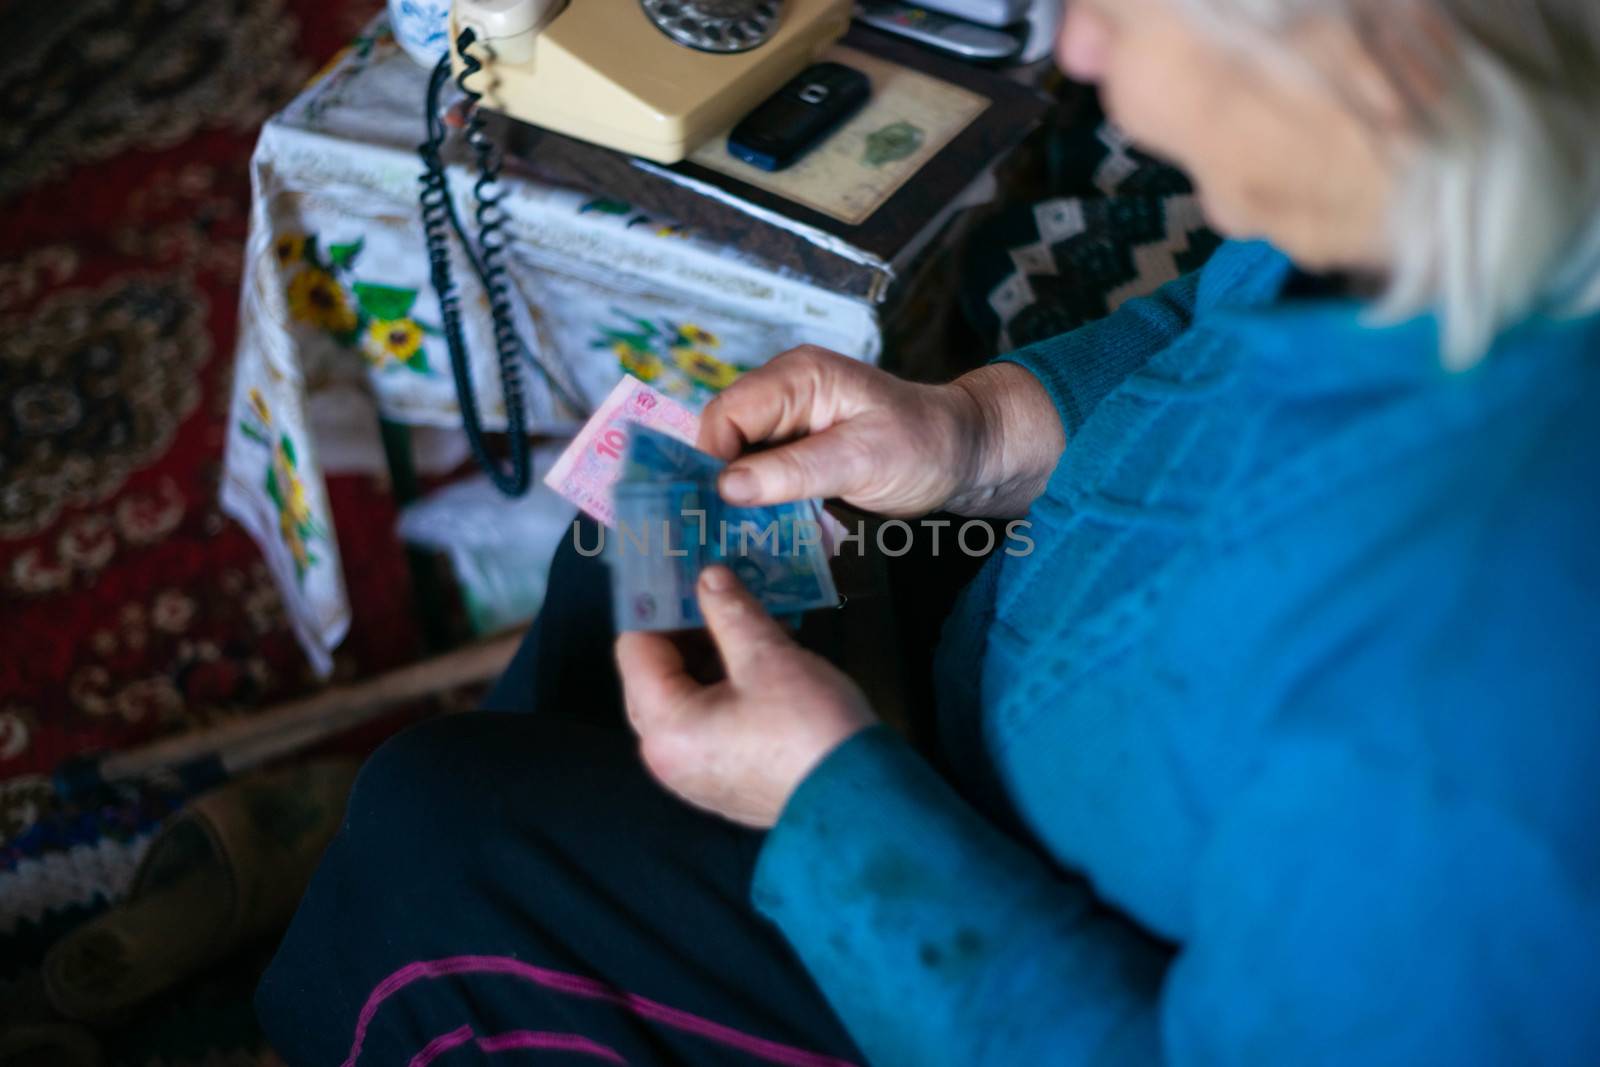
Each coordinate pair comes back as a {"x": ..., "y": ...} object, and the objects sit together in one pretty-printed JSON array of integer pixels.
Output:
[{"x": 652, "y": 78}]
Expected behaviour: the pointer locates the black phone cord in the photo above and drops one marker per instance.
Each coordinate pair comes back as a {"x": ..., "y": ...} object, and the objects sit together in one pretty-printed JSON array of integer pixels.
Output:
[{"x": 438, "y": 212}]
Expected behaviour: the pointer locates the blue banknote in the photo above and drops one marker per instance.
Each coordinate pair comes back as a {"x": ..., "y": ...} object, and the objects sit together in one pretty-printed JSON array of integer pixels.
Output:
[
  {"x": 671, "y": 524},
  {"x": 655, "y": 457}
]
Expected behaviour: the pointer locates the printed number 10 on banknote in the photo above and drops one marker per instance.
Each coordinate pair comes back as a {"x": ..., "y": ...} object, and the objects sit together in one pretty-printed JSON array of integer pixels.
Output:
[{"x": 591, "y": 465}]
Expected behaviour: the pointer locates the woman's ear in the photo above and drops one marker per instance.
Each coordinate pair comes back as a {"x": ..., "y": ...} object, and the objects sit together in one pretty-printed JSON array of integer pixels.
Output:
[
  {"x": 1354, "y": 65},
  {"x": 1391, "y": 59}
]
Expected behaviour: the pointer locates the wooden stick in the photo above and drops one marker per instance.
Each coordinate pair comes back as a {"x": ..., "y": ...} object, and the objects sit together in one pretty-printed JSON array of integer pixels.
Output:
[{"x": 301, "y": 723}]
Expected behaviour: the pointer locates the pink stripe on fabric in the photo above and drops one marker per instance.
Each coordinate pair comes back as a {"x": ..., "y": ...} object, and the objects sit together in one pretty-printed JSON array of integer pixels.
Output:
[
  {"x": 440, "y": 1045},
  {"x": 512, "y": 1041},
  {"x": 579, "y": 986},
  {"x": 521, "y": 1039}
]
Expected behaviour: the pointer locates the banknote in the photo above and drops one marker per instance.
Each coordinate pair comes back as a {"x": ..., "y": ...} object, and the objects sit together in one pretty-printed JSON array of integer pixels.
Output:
[
  {"x": 671, "y": 524},
  {"x": 654, "y": 456},
  {"x": 593, "y": 462},
  {"x": 655, "y": 561}
]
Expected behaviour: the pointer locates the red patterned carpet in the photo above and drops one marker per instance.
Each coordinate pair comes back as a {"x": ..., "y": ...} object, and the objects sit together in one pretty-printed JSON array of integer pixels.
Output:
[{"x": 129, "y": 606}]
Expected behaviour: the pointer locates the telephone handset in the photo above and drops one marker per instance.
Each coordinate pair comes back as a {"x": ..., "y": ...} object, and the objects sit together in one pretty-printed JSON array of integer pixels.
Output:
[{"x": 653, "y": 78}]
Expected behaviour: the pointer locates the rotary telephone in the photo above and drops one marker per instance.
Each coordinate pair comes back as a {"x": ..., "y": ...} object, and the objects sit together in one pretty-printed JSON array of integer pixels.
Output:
[{"x": 653, "y": 78}]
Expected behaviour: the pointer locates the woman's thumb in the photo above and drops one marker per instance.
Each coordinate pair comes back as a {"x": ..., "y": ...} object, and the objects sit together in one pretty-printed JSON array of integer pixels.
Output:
[{"x": 740, "y": 626}]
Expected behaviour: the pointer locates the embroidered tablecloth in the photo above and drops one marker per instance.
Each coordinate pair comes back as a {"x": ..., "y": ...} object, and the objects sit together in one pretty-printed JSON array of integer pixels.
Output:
[{"x": 335, "y": 278}]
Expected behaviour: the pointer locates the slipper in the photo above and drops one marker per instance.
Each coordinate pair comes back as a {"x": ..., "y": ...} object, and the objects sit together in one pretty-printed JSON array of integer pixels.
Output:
[{"x": 227, "y": 869}]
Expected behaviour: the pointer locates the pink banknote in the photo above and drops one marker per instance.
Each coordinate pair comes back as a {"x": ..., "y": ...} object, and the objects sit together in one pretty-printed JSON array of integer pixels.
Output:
[{"x": 592, "y": 464}]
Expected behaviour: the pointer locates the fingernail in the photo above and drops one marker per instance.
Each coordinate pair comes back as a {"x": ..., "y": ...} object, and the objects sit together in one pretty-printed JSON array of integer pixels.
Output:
[
  {"x": 738, "y": 485},
  {"x": 717, "y": 579}
]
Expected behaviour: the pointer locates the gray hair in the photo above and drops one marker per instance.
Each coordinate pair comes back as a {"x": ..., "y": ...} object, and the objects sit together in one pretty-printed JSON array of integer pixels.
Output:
[{"x": 1498, "y": 214}]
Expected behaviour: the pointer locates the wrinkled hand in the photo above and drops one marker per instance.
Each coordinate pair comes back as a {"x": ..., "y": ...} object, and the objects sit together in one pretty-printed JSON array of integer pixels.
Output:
[
  {"x": 982, "y": 445},
  {"x": 848, "y": 430},
  {"x": 739, "y": 746}
]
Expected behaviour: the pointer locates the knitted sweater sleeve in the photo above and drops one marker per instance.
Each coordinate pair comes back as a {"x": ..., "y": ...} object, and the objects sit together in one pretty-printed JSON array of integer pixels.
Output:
[
  {"x": 1398, "y": 925},
  {"x": 938, "y": 940},
  {"x": 1080, "y": 368}
]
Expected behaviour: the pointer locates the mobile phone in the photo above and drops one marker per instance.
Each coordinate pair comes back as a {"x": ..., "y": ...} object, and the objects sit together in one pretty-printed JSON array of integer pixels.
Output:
[
  {"x": 995, "y": 13},
  {"x": 799, "y": 116},
  {"x": 981, "y": 44}
]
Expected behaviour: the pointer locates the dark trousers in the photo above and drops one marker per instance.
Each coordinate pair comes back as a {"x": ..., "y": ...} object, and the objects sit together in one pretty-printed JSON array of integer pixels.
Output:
[{"x": 517, "y": 884}]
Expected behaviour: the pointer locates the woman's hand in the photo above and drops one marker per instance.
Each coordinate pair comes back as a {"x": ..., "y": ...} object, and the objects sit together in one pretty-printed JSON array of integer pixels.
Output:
[
  {"x": 982, "y": 445},
  {"x": 739, "y": 746}
]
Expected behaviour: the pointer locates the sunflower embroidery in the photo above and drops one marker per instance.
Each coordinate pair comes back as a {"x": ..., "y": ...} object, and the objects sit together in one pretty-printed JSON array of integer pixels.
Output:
[
  {"x": 704, "y": 368},
  {"x": 289, "y": 249},
  {"x": 288, "y": 493},
  {"x": 297, "y": 527},
  {"x": 689, "y": 334},
  {"x": 374, "y": 318},
  {"x": 295, "y": 541},
  {"x": 316, "y": 297},
  {"x": 258, "y": 405},
  {"x": 675, "y": 358},
  {"x": 642, "y": 363},
  {"x": 393, "y": 340}
]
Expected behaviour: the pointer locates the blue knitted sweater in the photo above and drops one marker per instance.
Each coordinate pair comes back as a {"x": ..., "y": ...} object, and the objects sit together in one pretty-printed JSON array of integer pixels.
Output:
[{"x": 1281, "y": 747}]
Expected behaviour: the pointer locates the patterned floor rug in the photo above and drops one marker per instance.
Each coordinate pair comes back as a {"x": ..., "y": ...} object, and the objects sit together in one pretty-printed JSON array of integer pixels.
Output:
[{"x": 129, "y": 606}]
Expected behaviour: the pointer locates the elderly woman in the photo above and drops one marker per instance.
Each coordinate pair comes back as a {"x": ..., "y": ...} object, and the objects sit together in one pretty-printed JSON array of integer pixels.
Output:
[{"x": 1278, "y": 748}]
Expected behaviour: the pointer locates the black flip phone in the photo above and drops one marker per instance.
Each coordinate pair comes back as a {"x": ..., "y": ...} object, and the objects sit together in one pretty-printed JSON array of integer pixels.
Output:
[{"x": 797, "y": 117}]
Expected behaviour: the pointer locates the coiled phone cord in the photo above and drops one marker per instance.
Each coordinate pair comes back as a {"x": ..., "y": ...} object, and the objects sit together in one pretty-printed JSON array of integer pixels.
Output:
[{"x": 438, "y": 211}]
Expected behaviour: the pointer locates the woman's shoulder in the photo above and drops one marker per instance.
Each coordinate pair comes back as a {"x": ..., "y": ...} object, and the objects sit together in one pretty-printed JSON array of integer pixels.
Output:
[{"x": 1242, "y": 274}]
